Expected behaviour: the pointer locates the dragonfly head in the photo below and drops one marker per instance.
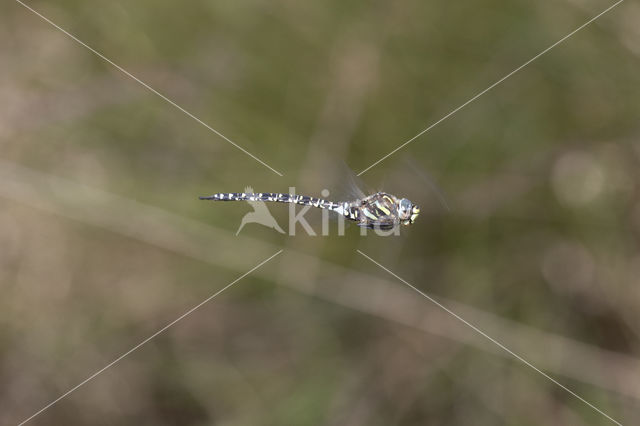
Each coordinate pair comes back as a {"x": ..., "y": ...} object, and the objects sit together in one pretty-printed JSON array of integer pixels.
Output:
[{"x": 407, "y": 211}]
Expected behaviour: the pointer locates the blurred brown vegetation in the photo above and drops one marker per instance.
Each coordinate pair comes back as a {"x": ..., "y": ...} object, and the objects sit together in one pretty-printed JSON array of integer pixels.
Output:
[{"x": 103, "y": 240}]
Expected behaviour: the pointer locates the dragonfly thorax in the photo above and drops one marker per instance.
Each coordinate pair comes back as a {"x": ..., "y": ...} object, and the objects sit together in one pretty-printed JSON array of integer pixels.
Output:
[{"x": 386, "y": 211}]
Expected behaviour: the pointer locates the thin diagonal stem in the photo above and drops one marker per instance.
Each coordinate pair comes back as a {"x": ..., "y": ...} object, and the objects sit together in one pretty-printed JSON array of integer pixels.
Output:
[
  {"x": 492, "y": 86},
  {"x": 163, "y": 329},
  {"x": 146, "y": 86},
  {"x": 491, "y": 339}
]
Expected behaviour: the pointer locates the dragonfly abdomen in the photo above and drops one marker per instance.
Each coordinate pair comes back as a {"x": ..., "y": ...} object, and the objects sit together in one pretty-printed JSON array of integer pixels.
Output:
[{"x": 274, "y": 197}]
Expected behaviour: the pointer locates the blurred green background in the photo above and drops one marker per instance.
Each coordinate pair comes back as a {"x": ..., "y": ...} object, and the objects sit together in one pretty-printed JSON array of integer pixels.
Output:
[{"x": 103, "y": 240}]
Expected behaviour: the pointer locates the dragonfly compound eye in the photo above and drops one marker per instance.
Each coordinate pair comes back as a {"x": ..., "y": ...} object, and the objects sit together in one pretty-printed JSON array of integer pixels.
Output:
[{"x": 404, "y": 207}]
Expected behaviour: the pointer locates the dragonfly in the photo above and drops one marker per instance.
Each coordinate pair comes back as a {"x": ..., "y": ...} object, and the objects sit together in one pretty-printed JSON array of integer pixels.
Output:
[{"x": 380, "y": 210}]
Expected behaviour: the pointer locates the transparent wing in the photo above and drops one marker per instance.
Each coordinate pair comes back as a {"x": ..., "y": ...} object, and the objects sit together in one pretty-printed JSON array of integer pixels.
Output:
[
  {"x": 354, "y": 185},
  {"x": 345, "y": 185},
  {"x": 428, "y": 180}
]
